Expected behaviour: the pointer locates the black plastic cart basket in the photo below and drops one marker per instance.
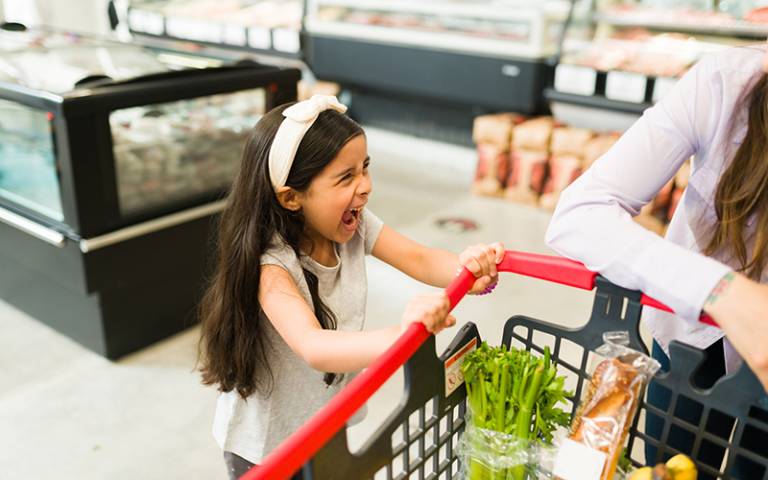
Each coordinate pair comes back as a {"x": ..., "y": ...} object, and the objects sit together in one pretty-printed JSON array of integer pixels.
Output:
[{"x": 419, "y": 439}]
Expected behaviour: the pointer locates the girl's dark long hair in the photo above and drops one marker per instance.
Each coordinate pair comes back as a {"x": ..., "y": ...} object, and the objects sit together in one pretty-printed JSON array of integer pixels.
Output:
[
  {"x": 234, "y": 351},
  {"x": 742, "y": 192}
]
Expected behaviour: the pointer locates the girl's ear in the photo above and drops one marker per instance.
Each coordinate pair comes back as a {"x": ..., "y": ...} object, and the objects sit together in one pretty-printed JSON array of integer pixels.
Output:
[{"x": 289, "y": 199}]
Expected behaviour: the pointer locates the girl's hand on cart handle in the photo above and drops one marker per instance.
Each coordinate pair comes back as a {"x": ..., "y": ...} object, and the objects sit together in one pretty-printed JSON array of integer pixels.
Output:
[
  {"x": 481, "y": 260},
  {"x": 740, "y": 307},
  {"x": 431, "y": 310}
]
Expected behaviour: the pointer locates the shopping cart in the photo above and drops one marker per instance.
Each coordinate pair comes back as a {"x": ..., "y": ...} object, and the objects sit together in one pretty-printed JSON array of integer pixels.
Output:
[{"x": 419, "y": 439}]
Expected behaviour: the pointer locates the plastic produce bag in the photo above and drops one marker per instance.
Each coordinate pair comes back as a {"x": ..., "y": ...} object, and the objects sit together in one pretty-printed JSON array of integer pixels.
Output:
[
  {"x": 608, "y": 408},
  {"x": 491, "y": 455}
]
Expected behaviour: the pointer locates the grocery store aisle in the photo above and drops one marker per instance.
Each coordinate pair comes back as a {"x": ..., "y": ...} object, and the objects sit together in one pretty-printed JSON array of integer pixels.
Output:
[{"x": 69, "y": 414}]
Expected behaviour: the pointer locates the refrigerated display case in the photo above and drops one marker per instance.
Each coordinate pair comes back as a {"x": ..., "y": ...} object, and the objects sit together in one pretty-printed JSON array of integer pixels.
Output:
[
  {"x": 471, "y": 56},
  {"x": 620, "y": 57},
  {"x": 269, "y": 27},
  {"x": 113, "y": 165}
]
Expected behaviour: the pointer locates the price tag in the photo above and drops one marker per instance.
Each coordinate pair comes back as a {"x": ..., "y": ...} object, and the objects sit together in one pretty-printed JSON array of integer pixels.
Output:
[
  {"x": 453, "y": 376},
  {"x": 662, "y": 86},
  {"x": 575, "y": 79},
  {"x": 286, "y": 40},
  {"x": 626, "y": 86},
  {"x": 259, "y": 37},
  {"x": 196, "y": 30},
  {"x": 235, "y": 35},
  {"x": 576, "y": 461}
]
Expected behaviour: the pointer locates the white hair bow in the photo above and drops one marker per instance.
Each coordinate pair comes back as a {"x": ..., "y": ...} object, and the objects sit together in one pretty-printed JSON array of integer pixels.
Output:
[{"x": 298, "y": 120}]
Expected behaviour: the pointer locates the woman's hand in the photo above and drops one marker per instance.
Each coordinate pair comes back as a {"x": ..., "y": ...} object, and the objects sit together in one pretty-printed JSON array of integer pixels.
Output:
[
  {"x": 481, "y": 260},
  {"x": 431, "y": 310},
  {"x": 740, "y": 307}
]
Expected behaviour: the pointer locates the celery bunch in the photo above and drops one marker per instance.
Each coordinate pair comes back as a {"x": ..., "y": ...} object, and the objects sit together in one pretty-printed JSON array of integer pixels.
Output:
[{"x": 515, "y": 393}]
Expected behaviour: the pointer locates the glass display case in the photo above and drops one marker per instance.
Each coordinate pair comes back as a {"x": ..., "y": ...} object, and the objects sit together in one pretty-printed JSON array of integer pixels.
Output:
[
  {"x": 114, "y": 162},
  {"x": 172, "y": 151},
  {"x": 623, "y": 55},
  {"x": 155, "y": 138},
  {"x": 28, "y": 171}
]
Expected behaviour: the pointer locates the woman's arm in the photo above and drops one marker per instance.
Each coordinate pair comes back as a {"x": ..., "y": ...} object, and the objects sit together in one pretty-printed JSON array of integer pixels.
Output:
[
  {"x": 332, "y": 350},
  {"x": 435, "y": 266},
  {"x": 740, "y": 307},
  {"x": 593, "y": 221}
]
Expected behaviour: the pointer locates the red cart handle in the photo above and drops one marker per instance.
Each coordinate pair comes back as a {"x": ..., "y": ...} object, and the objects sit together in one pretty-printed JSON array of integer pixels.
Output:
[{"x": 294, "y": 452}]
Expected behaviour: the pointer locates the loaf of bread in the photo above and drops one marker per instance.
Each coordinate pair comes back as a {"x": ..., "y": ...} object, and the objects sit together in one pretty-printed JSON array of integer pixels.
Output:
[{"x": 608, "y": 410}]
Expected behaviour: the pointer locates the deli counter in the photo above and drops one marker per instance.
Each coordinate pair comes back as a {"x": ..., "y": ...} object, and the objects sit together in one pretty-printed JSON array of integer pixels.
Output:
[{"x": 114, "y": 163}]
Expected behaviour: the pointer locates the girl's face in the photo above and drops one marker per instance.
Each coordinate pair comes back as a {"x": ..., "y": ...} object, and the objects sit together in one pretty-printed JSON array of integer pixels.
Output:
[{"x": 333, "y": 204}]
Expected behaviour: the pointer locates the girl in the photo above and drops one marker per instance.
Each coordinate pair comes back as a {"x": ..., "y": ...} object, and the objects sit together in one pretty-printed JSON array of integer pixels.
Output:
[
  {"x": 288, "y": 298},
  {"x": 713, "y": 258}
]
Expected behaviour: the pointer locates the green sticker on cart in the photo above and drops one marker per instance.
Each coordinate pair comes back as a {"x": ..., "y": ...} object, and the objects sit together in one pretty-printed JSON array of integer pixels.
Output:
[{"x": 453, "y": 376}]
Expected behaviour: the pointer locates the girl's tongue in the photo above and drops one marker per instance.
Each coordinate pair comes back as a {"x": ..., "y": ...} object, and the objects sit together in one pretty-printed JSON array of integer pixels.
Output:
[{"x": 348, "y": 218}]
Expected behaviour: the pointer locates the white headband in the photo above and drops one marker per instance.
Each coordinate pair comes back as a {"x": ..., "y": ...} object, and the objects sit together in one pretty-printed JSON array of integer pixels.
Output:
[{"x": 298, "y": 119}]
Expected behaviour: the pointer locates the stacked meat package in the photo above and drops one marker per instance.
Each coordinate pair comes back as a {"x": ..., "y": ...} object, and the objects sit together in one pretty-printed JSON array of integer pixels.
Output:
[
  {"x": 529, "y": 157},
  {"x": 681, "y": 182},
  {"x": 493, "y": 134},
  {"x": 531, "y": 161},
  {"x": 566, "y": 163}
]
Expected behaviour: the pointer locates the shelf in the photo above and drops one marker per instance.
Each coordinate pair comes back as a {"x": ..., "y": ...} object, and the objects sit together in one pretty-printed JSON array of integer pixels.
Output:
[
  {"x": 596, "y": 101},
  {"x": 438, "y": 41},
  {"x": 500, "y": 10},
  {"x": 735, "y": 28}
]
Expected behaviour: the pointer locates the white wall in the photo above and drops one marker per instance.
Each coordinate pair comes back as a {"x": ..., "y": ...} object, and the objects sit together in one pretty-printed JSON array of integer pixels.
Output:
[{"x": 85, "y": 16}]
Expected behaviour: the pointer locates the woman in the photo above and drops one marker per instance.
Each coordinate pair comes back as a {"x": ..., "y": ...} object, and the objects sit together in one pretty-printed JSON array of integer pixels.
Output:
[{"x": 714, "y": 255}]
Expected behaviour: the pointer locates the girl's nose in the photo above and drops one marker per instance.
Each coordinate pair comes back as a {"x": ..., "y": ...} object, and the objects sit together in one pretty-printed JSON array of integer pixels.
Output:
[{"x": 365, "y": 185}]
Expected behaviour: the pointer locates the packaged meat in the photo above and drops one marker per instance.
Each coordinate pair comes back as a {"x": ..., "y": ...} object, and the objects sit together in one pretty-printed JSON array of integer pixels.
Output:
[
  {"x": 563, "y": 169},
  {"x": 681, "y": 182},
  {"x": 682, "y": 176},
  {"x": 677, "y": 195},
  {"x": 492, "y": 169},
  {"x": 660, "y": 204},
  {"x": 533, "y": 134},
  {"x": 570, "y": 141},
  {"x": 610, "y": 404},
  {"x": 495, "y": 129},
  {"x": 597, "y": 146},
  {"x": 528, "y": 174},
  {"x": 307, "y": 89}
]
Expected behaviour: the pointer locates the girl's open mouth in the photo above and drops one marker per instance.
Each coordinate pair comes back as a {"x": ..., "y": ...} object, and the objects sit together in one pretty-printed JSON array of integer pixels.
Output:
[{"x": 351, "y": 216}]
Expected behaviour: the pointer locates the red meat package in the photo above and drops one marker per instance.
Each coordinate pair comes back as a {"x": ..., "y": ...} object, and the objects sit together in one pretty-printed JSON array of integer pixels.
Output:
[
  {"x": 681, "y": 182},
  {"x": 563, "y": 169},
  {"x": 495, "y": 129},
  {"x": 570, "y": 141},
  {"x": 596, "y": 147},
  {"x": 492, "y": 170},
  {"x": 526, "y": 180},
  {"x": 650, "y": 221},
  {"x": 566, "y": 163},
  {"x": 660, "y": 204},
  {"x": 533, "y": 135}
]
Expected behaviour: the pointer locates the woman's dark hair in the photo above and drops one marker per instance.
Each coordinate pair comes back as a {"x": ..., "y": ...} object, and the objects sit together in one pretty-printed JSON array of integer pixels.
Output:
[
  {"x": 743, "y": 191},
  {"x": 234, "y": 350}
]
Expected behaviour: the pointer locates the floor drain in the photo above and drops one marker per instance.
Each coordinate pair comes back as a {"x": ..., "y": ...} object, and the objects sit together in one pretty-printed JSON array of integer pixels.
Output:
[{"x": 457, "y": 224}]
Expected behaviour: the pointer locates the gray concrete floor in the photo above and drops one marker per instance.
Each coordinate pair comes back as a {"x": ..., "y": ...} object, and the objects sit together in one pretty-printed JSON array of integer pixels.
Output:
[{"x": 66, "y": 413}]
